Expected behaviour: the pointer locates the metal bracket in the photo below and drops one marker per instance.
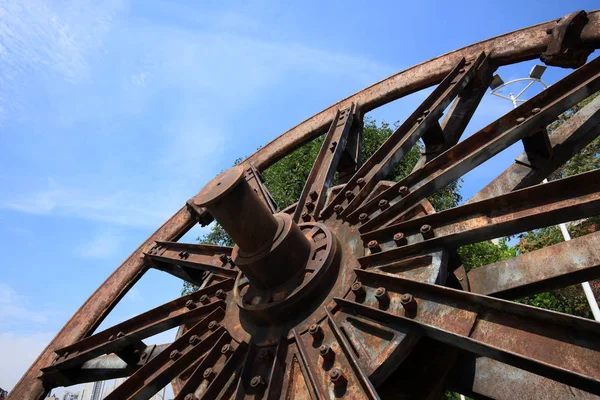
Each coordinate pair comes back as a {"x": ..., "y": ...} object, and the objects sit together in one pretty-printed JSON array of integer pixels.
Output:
[{"x": 564, "y": 49}]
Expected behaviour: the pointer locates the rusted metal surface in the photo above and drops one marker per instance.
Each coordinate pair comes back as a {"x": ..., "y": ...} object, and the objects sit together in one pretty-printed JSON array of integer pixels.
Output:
[
  {"x": 564, "y": 49},
  {"x": 483, "y": 145},
  {"x": 568, "y": 139},
  {"x": 552, "y": 267},
  {"x": 345, "y": 294},
  {"x": 554, "y": 345}
]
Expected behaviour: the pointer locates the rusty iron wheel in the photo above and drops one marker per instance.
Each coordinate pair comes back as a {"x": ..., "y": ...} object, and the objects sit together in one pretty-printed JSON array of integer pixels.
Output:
[{"x": 356, "y": 291}]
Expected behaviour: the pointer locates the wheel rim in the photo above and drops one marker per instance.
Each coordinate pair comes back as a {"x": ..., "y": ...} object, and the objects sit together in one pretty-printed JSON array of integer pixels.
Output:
[{"x": 365, "y": 295}]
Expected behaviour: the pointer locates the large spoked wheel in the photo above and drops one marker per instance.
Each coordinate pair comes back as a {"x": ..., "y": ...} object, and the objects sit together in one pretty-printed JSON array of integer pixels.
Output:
[{"x": 356, "y": 290}]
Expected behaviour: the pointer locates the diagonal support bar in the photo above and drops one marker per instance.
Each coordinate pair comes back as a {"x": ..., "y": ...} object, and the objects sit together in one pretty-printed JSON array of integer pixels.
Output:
[
  {"x": 543, "y": 205},
  {"x": 402, "y": 140},
  {"x": 524, "y": 120},
  {"x": 314, "y": 194},
  {"x": 551, "y": 267},
  {"x": 558, "y": 346},
  {"x": 169, "y": 315}
]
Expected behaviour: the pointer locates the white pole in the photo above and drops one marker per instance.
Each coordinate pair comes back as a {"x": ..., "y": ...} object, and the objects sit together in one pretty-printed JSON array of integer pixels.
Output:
[{"x": 587, "y": 289}]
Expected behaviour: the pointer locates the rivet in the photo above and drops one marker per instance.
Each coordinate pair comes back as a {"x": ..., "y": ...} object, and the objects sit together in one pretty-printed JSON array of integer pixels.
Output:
[
  {"x": 349, "y": 194},
  {"x": 208, "y": 374},
  {"x": 310, "y": 205},
  {"x": 426, "y": 231},
  {"x": 226, "y": 349},
  {"x": 190, "y": 305},
  {"x": 221, "y": 294},
  {"x": 399, "y": 239},
  {"x": 383, "y": 204},
  {"x": 257, "y": 381},
  {"x": 360, "y": 181},
  {"x": 315, "y": 331},
  {"x": 337, "y": 377},
  {"x": 326, "y": 352},
  {"x": 408, "y": 302},
  {"x": 403, "y": 190},
  {"x": 373, "y": 245},
  {"x": 175, "y": 354},
  {"x": 120, "y": 334},
  {"x": 204, "y": 299},
  {"x": 420, "y": 119},
  {"x": 535, "y": 110},
  {"x": 382, "y": 297},
  {"x": 520, "y": 119},
  {"x": 426, "y": 112},
  {"x": 213, "y": 325},
  {"x": 461, "y": 70},
  {"x": 358, "y": 289},
  {"x": 265, "y": 355},
  {"x": 363, "y": 217},
  {"x": 195, "y": 339}
]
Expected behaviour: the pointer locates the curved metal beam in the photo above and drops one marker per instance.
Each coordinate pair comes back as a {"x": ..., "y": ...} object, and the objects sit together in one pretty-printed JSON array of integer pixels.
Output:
[{"x": 524, "y": 44}]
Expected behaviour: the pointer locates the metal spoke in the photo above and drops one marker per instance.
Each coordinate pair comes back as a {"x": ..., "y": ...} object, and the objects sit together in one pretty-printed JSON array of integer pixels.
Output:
[
  {"x": 190, "y": 260},
  {"x": 320, "y": 178},
  {"x": 176, "y": 358},
  {"x": 186, "y": 309},
  {"x": 543, "y": 205},
  {"x": 524, "y": 120},
  {"x": 539, "y": 271},
  {"x": 555, "y": 345},
  {"x": 568, "y": 139},
  {"x": 402, "y": 140}
]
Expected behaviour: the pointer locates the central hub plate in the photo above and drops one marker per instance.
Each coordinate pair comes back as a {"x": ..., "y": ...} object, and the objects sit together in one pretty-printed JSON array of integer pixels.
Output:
[{"x": 269, "y": 303}]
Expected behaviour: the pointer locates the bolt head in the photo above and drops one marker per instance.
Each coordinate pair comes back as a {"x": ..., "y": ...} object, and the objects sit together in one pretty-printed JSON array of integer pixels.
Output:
[
  {"x": 208, "y": 373},
  {"x": 314, "y": 330},
  {"x": 221, "y": 294},
  {"x": 226, "y": 349},
  {"x": 338, "y": 208},
  {"x": 398, "y": 236},
  {"x": 461, "y": 70},
  {"x": 425, "y": 229},
  {"x": 356, "y": 286},
  {"x": 120, "y": 335},
  {"x": 256, "y": 381},
  {"x": 383, "y": 203},
  {"x": 520, "y": 119},
  {"x": 535, "y": 110},
  {"x": 190, "y": 305},
  {"x": 372, "y": 244},
  {"x": 223, "y": 258},
  {"x": 175, "y": 354},
  {"x": 213, "y": 325},
  {"x": 406, "y": 298},
  {"x": 313, "y": 194},
  {"x": 403, "y": 190},
  {"x": 363, "y": 217},
  {"x": 337, "y": 377},
  {"x": 190, "y": 396},
  {"x": 195, "y": 339},
  {"x": 380, "y": 291},
  {"x": 360, "y": 181},
  {"x": 420, "y": 119},
  {"x": 305, "y": 216},
  {"x": 349, "y": 194},
  {"x": 324, "y": 350},
  {"x": 265, "y": 355},
  {"x": 204, "y": 299}
]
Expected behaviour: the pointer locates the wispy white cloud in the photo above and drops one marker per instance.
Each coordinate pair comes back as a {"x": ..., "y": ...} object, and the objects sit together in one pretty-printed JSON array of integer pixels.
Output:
[
  {"x": 19, "y": 351},
  {"x": 103, "y": 245},
  {"x": 15, "y": 310},
  {"x": 49, "y": 38}
]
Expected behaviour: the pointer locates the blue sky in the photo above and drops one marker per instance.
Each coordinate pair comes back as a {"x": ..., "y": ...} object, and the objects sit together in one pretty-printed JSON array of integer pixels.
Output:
[{"x": 113, "y": 113}]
